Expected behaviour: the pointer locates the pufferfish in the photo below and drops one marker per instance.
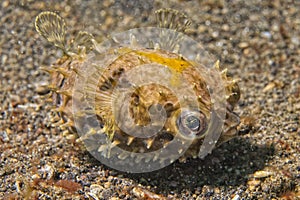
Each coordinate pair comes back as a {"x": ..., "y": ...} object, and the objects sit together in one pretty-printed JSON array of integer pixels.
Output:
[{"x": 142, "y": 98}]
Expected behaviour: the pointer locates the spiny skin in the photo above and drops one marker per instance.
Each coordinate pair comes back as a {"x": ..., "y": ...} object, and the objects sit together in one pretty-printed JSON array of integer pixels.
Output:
[
  {"x": 145, "y": 96},
  {"x": 66, "y": 69}
]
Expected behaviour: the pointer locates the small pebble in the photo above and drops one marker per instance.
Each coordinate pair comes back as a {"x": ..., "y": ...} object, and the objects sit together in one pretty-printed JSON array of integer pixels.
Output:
[{"x": 262, "y": 174}]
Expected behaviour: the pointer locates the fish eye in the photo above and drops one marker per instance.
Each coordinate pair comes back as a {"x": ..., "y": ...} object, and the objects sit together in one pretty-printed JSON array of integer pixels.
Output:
[{"x": 192, "y": 124}]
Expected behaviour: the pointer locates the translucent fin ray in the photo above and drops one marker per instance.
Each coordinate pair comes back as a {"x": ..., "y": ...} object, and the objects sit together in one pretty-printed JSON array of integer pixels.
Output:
[
  {"x": 172, "y": 19},
  {"x": 83, "y": 39},
  {"x": 52, "y": 27}
]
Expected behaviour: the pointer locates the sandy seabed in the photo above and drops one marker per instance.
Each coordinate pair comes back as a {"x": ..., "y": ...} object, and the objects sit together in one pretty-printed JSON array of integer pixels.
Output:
[{"x": 259, "y": 43}]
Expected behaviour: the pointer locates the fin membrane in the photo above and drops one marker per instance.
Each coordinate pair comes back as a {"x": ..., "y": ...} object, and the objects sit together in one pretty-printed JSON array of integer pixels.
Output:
[
  {"x": 172, "y": 19},
  {"x": 83, "y": 39},
  {"x": 52, "y": 27},
  {"x": 178, "y": 23}
]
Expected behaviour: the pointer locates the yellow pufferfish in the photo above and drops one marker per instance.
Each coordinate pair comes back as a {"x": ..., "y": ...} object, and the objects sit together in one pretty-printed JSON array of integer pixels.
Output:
[{"x": 191, "y": 123}]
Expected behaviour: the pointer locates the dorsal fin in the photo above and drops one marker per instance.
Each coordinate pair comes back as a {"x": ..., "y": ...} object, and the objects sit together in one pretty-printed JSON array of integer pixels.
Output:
[
  {"x": 52, "y": 27},
  {"x": 172, "y": 19},
  {"x": 82, "y": 39},
  {"x": 173, "y": 23}
]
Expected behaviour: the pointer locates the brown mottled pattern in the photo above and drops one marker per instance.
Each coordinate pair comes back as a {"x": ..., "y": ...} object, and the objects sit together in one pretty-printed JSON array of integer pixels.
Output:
[{"x": 64, "y": 76}]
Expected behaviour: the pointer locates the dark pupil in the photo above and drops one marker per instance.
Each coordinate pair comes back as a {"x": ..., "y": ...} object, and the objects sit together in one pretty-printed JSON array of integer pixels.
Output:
[{"x": 192, "y": 123}]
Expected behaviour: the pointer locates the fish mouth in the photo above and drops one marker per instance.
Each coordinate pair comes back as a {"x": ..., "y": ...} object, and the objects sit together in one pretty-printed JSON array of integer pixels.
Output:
[{"x": 230, "y": 127}]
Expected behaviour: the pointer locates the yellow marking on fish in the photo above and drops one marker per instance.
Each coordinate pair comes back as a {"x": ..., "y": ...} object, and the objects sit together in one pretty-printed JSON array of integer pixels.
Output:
[{"x": 176, "y": 64}]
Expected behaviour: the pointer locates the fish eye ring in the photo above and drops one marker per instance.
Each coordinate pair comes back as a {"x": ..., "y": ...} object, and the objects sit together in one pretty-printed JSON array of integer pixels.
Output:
[{"x": 192, "y": 124}]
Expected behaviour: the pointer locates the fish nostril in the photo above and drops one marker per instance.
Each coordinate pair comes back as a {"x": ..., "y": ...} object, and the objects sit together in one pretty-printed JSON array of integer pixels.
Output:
[
  {"x": 135, "y": 99},
  {"x": 169, "y": 107}
]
